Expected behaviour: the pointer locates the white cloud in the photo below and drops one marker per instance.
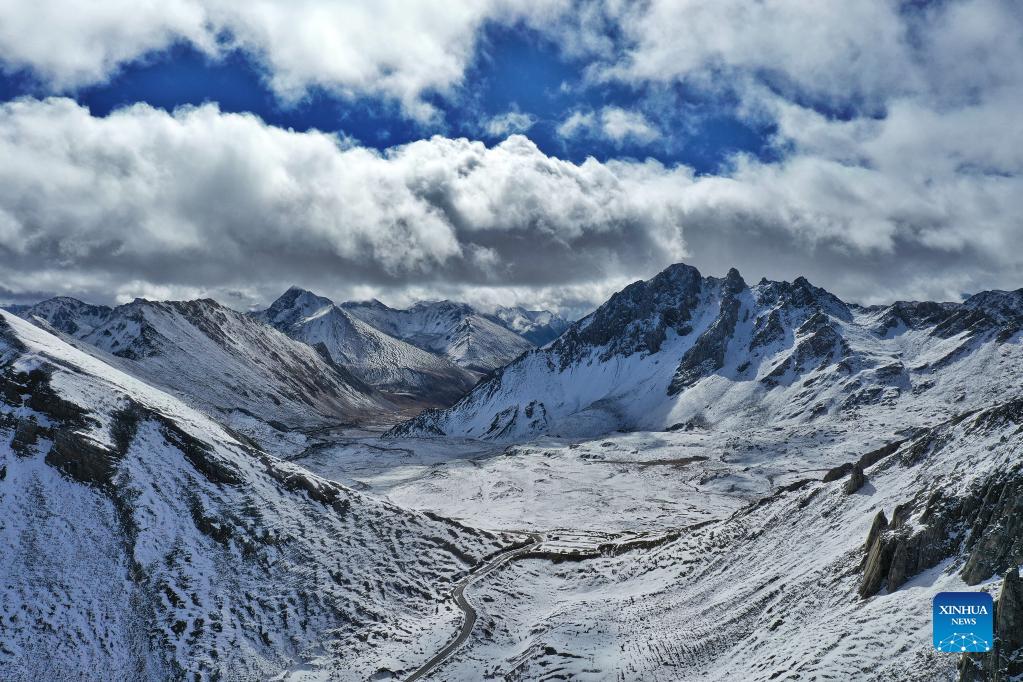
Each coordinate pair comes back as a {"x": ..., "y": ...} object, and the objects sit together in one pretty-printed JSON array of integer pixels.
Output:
[
  {"x": 620, "y": 125},
  {"x": 921, "y": 203},
  {"x": 578, "y": 122},
  {"x": 612, "y": 123},
  {"x": 916, "y": 192},
  {"x": 509, "y": 122},
  {"x": 389, "y": 48},
  {"x": 70, "y": 44},
  {"x": 829, "y": 48},
  {"x": 202, "y": 198}
]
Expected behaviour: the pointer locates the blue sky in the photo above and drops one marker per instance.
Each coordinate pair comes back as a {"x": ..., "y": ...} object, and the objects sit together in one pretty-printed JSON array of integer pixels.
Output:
[
  {"x": 514, "y": 70},
  {"x": 502, "y": 151}
]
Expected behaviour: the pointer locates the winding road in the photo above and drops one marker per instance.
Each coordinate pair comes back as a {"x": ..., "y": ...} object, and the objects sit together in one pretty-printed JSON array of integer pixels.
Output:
[{"x": 467, "y": 608}]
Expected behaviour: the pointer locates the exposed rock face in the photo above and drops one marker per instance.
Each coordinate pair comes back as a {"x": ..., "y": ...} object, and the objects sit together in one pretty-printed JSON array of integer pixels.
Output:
[
  {"x": 912, "y": 315},
  {"x": 876, "y": 528},
  {"x": 707, "y": 354},
  {"x": 25, "y": 436},
  {"x": 68, "y": 315},
  {"x": 899, "y": 566},
  {"x": 984, "y": 526},
  {"x": 876, "y": 567},
  {"x": 1005, "y": 662},
  {"x": 637, "y": 318},
  {"x": 997, "y": 533},
  {"x": 1009, "y": 626},
  {"x": 819, "y": 343},
  {"x": 900, "y": 550},
  {"x": 660, "y": 351},
  {"x": 857, "y": 479}
]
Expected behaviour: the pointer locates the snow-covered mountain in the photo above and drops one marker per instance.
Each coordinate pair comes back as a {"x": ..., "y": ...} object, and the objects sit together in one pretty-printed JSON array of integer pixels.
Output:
[
  {"x": 142, "y": 540},
  {"x": 67, "y": 314},
  {"x": 221, "y": 360},
  {"x": 829, "y": 577},
  {"x": 683, "y": 350},
  {"x": 539, "y": 327},
  {"x": 402, "y": 370},
  {"x": 457, "y": 331}
]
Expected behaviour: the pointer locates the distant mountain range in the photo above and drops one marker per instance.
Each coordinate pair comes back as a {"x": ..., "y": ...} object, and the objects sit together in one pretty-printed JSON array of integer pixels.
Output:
[
  {"x": 385, "y": 362},
  {"x": 219, "y": 359},
  {"x": 456, "y": 331},
  {"x": 681, "y": 350},
  {"x": 303, "y": 362}
]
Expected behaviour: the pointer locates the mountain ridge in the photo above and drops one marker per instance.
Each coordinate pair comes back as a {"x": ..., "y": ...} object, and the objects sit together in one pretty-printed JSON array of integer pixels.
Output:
[
  {"x": 472, "y": 339},
  {"x": 250, "y": 375},
  {"x": 389, "y": 364},
  {"x": 162, "y": 547},
  {"x": 790, "y": 348}
]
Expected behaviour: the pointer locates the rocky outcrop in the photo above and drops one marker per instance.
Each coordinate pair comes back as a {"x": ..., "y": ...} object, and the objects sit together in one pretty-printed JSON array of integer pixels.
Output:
[
  {"x": 819, "y": 343},
  {"x": 25, "y": 435},
  {"x": 876, "y": 566},
  {"x": 707, "y": 355},
  {"x": 901, "y": 550},
  {"x": 869, "y": 459},
  {"x": 879, "y": 525},
  {"x": 903, "y": 315},
  {"x": 992, "y": 513},
  {"x": 637, "y": 318},
  {"x": 982, "y": 527},
  {"x": 857, "y": 479},
  {"x": 83, "y": 459},
  {"x": 996, "y": 536},
  {"x": 767, "y": 330},
  {"x": 1009, "y": 627},
  {"x": 1004, "y": 663}
]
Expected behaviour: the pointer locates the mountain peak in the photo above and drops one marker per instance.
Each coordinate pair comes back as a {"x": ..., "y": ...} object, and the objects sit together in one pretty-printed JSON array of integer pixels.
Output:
[
  {"x": 734, "y": 281},
  {"x": 1001, "y": 305},
  {"x": 678, "y": 272},
  {"x": 292, "y": 306},
  {"x": 373, "y": 303},
  {"x": 66, "y": 314},
  {"x": 800, "y": 293}
]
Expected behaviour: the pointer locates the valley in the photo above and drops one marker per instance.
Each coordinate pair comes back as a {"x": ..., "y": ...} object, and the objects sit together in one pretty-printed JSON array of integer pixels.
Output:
[{"x": 701, "y": 480}]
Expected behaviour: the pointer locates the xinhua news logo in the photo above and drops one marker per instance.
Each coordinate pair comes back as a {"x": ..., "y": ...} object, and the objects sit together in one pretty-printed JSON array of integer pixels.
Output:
[{"x": 963, "y": 622}]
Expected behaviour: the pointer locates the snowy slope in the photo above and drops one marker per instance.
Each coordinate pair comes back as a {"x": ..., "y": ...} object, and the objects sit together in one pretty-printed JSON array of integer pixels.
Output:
[
  {"x": 141, "y": 540},
  {"x": 457, "y": 331},
  {"x": 682, "y": 349},
  {"x": 385, "y": 362},
  {"x": 246, "y": 373},
  {"x": 795, "y": 586}
]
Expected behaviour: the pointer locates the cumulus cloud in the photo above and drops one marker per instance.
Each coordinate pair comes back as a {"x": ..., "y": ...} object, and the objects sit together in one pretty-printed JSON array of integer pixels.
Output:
[
  {"x": 389, "y": 48},
  {"x": 619, "y": 125},
  {"x": 201, "y": 202},
  {"x": 612, "y": 123},
  {"x": 509, "y": 122},
  {"x": 201, "y": 198},
  {"x": 577, "y": 123},
  {"x": 838, "y": 50}
]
